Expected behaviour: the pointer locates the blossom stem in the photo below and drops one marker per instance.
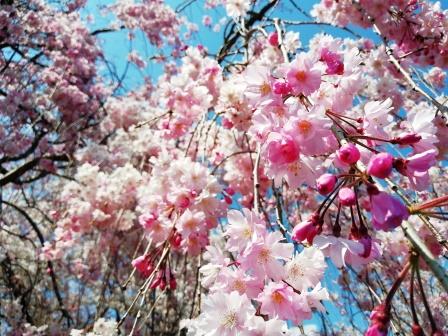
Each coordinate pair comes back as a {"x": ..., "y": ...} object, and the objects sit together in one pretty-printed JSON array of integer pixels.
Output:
[
  {"x": 331, "y": 197},
  {"x": 411, "y": 293},
  {"x": 341, "y": 119},
  {"x": 257, "y": 181},
  {"x": 367, "y": 137},
  {"x": 436, "y": 202},
  {"x": 397, "y": 283},
  {"x": 337, "y": 226},
  {"x": 425, "y": 302}
]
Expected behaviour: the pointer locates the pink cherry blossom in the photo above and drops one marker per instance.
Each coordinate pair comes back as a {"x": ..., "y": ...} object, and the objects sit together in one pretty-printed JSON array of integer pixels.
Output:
[
  {"x": 303, "y": 76},
  {"x": 335, "y": 65},
  {"x": 278, "y": 299},
  {"x": 416, "y": 168},
  {"x": 263, "y": 256},
  {"x": 281, "y": 149},
  {"x": 225, "y": 314},
  {"x": 243, "y": 227},
  {"x": 259, "y": 327},
  {"x": 387, "y": 211},
  {"x": 306, "y": 269},
  {"x": 377, "y": 117},
  {"x": 341, "y": 251}
]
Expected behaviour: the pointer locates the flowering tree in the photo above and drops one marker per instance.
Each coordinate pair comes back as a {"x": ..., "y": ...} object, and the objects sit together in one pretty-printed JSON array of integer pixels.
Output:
[{"x": 274, "y": 186}]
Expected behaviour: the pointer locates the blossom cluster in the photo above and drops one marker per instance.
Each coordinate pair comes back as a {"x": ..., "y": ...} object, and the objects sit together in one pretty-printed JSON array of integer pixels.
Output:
[
  {"x": 419, "y": 28},
  {"x": 260, "y": 284}
]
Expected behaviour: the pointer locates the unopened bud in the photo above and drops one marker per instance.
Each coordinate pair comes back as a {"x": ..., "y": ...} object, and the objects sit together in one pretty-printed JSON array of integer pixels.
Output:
[{"x": 406, "y": 139}]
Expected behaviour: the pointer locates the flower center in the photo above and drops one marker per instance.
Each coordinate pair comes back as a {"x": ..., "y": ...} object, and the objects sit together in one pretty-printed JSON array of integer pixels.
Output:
[
  {"x": 264, "y": 255},
  {"x": 294, "y": 168},
  {"x": 265, "y": 89},
  {"x": 277, "y": 297},
  {"x": 280, "y": 111},
  {"x": 301, "y": 76},
  {"x": 190, "y": 224},
  {"x": 304, "y": 126},
  {"x": 247, "y": 233},
  {"x": 229, "y": 320},
  {"x": 296, "y": 271},
  {"x": 239, "y": 285}
]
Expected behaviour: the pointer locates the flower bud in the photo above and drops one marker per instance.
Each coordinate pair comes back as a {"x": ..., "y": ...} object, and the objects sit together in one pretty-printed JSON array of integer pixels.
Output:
[
  {"x": 380, "y": 165},
  {"x": 226, "y": 123},
  {"x": 273, "y": 39},
  {"x": 347, "y": 196},
  {"x": 230, "y": 191},
  {"x": 228, "y": 199},
  {"x": 156, "y": 282},
  {"x": 176, "y": 239},
  {"x": 366, "y": 241},
  {"x": 162, "y": 284},
  {"x": 348, "y": 153},
  {"x": 417, "y": 330},
  {"x": 406, "y": 139},
  {"x": 305, "y": 231},
  {"x": 379, "y": 321},
  {"x": 173, "y": 283},
  {"x": 141, "y": 265},
  {"x": 325, "y": 183}
]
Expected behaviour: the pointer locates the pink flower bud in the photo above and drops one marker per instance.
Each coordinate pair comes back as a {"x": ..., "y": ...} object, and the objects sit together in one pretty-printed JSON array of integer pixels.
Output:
[
  {"x": 367, "y": 243},
  {"x": 140, "y": 263},
  {"x": 347, "y": 196},
  {"x": 417, "y": 330},
  {"x": 162, "y": 284},
  {"x": 143, "y": 266},
  {"x": 183, "y": 202},
  {"x": 325, "y": 183},
  {"x": 173, "y": 283},
  {"x": 306, "y": 230},
  {"x": 176, "y": 239},
  {"x": 407, "y": 139},
  {"x": 156, "y": 282},
  {"x": 230, "y": 191},
  {"x": 348, "y": 153},
  {"x": 273, "y": 39},
  {"x": 226, "y": 123},
  {"x": 379, "y": 321},
  {"x": 228, "y": 199},
  {"x": 380, "y": 165}
]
